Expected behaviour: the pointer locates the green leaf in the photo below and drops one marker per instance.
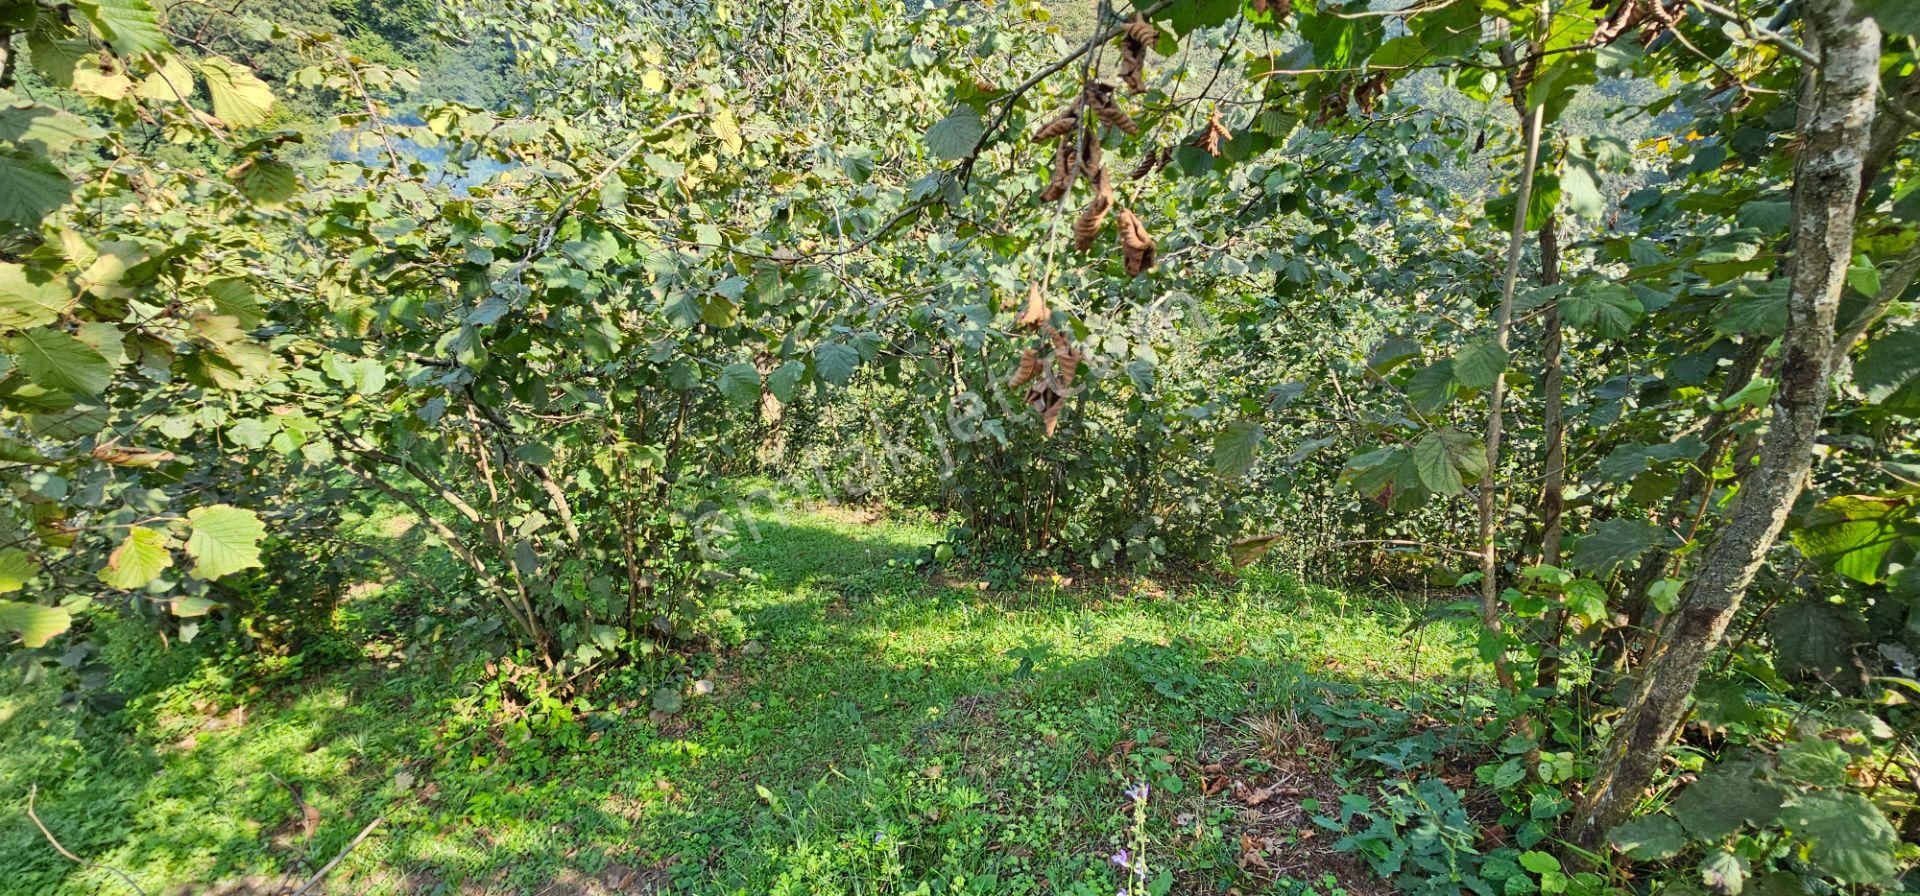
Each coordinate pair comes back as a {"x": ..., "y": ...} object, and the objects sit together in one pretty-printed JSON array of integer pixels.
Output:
[
  {"x": 784, "y": 378},
  {"x": 1754, "y": 310},
  {"x": 131, "y": 26},
  {"x": 26, "y": 301},
  {"x": 1665, "y": 594},
  {"x": 1890, "y": 361},
  {"x": 1723, "y": 872},
  {"x": 265, "y": 180},
  {"x": 1476, "y": 366},
  {"x": 1612, "y": 544},
  {"x": 35, "y": 624},
  {"x": 1435, "y": 467},
  {"x": 44, "y": 129},
  {"x": 1849, "y": 838},
  {"x": 1235, "y": 447},
  {"x": 1894, "y": 16},
  {"x": 1816, "y": 761},
  {"x": 239, "y": 98},
  {"x": 1723, "y": 799},
  {"x": 225, "y": 539},
  {"x": 57, "y": 361},
  {"x": 954, "y": 136},
  {"x": 1607, "y": 309},
  {"x": 15, "y": 569},
  {"x": 1649, "y": 838},
  {"x": 1539, "y": 862},
  {"x": 835, "y": 362},
  {"x": 1192, "y": 15},
  {"x": 740, "y": 383},
  {"x": 30, "y": 189},
  {"x": 1587, "y": 600},
  {"x": 138, "y": 560},
  {"x": 1813, "y": 638},
  {"x": 1392, "y": 352},
  {"x": 1853, "y": 534}
]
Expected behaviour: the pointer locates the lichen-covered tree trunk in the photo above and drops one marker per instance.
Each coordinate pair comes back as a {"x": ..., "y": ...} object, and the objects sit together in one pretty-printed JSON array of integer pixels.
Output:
[{"x": 1826, "y": 181}]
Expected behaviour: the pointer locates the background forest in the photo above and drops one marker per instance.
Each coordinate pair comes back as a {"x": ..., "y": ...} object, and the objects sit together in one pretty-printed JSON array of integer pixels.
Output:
[{"x": 1202, "y": 446}]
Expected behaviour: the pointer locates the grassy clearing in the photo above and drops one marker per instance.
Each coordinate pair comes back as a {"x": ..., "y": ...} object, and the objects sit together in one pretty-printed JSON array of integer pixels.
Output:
[{"x": 879, "y": 733}]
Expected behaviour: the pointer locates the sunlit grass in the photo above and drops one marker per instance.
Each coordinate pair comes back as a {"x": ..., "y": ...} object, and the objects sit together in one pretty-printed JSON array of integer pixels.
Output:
[{"x": 876, "y": 735}]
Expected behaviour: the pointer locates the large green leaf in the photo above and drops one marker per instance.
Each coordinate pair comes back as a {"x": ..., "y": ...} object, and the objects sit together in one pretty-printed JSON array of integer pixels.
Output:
[
  {"x": 225, "y": 539},
  {"x": 35, "y": 624},
  {"x": 1235, "y": 448},
  {"x": 1754, "y": 310},
  {"x": 1612, "y": 544},
  {"x": 1814, "y": 639},
  {"x": 1723, "y": 799},
  {"x": 835, "y": 362},
  {"x": 1891, "y": 361},
  {"x": 265, "y": 180},
  {"x": 56, "y": 360},
  {"x": 1476, "y": 366},
  {"x": 1848, "y": 837},
  {"x": 954, "y": 136},
  {"x": 1649, "y": 838},
  {"x": 740, "y": 383},
  {"x": 784, "y": 378},
  {"x": 138, "y": 560},
  {"x": 1607, "y": 309},
  {"x": 43, "y": 128},
  {"x": 1192, "y": 15},
  {"x": 1436, "y": 469},
  {"x": 131, "y": 26},
  {"x": 1853, "y": 534},
  {"x": 16, "y": 567},
  {"x": 1894, "y": 16},
  {"x": 239, "y": 98},
  {"x": 30, "y": 188},
  {"x": 28, "y": 301}
]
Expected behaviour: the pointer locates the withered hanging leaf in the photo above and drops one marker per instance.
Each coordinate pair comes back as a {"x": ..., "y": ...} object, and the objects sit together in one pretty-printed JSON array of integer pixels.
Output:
[
  {"x": 1100, "y": 97},
  {"x": 1214, "y": 136},
  {"x": 1066, "y": 363},
  {"x": 1058, "y": 125},
  {"x": 1134, "y": 40},
  {"x": 1046, "y": 398},
  {"x": 1066, "y": 164},
  {"x": 1136, "y": 245},
  {"x": 1035, "y": 313},
  {"x": 1087, "y": 226},
  {"x": 1029, "y": 368}
]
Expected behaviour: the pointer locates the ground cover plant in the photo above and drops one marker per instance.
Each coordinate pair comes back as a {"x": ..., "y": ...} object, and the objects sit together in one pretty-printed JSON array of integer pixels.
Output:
[{"x": 1085, "y": 447}]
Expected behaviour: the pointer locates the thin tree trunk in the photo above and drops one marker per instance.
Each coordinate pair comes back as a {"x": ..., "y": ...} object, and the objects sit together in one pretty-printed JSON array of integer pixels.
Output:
[
  {"x": 1553, "y": 424},
  {"x": 1826, "y": 184},
  {"x": 1497, "y": 396}
]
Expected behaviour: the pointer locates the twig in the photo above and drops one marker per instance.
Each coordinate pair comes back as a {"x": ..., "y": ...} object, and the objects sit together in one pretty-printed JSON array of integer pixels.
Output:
[
  {"x": 31, "y": 792},
  {"x": 320, "y": 875}
]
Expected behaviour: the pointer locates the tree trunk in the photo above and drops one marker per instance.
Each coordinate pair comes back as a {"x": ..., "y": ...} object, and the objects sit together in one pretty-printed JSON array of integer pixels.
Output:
[
  {"x": 1553, "y": 424},
  {"x": 1826, "y": 182},
  {"x": 1531, "y": 122}
]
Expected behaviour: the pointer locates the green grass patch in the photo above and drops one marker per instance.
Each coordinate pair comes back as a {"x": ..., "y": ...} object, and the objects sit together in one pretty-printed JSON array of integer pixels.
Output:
[{"x": 883, "y": 731}]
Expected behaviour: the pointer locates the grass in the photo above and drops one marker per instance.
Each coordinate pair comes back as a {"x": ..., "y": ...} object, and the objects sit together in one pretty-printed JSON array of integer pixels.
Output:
[{"x": 881, "y": 732}]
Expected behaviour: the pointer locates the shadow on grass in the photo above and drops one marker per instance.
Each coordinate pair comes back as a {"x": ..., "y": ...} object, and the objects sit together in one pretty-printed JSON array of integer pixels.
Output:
[{"x": 884, "y": 737}]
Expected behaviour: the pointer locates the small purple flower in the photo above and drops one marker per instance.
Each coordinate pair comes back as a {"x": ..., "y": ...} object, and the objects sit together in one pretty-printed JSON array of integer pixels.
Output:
[
  {"x": 1138, "y": 792},
  {"x": 1123, "y": 892},
  {"x": 1121, "y": 859},
  {"x": 879, "y": 836}
]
